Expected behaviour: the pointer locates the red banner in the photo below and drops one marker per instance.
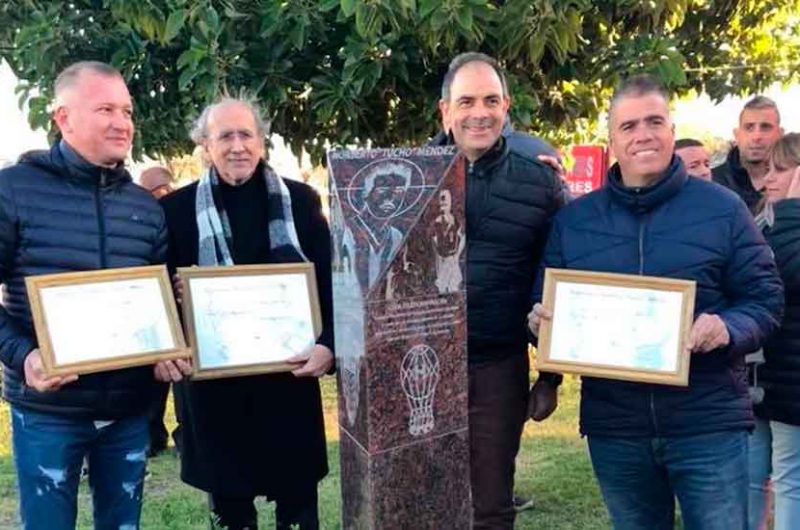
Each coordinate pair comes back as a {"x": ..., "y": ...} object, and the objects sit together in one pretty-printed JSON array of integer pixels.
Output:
[{"x": 588, "y": 171}]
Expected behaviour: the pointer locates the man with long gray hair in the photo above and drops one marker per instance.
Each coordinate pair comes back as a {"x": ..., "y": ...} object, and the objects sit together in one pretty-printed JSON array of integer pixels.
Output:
[{"x": 260, "y": 435}]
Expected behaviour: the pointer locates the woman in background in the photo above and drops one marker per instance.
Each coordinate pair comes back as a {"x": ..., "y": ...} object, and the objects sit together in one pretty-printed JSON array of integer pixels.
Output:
[{"x": 775, "y": 444}]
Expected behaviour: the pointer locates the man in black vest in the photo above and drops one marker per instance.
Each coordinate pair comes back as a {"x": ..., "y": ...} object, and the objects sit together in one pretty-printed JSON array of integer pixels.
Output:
[
  {"x": 746, "y": 165},
  {"x": 511, "y": 198}
]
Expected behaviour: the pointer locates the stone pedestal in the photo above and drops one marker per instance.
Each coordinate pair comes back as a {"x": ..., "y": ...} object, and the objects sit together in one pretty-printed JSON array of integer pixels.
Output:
[{"x": 398, "y": 227}]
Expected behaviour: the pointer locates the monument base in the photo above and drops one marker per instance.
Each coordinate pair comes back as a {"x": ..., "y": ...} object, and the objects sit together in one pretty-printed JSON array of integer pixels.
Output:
[{"x": 420, "y": 485}]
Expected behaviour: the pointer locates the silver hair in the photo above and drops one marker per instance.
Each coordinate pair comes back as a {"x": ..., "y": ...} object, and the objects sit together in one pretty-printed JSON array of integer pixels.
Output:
[
  {"x": 636, "y": 86},
  {"x": 199, "y": 131},
  {"x": 69, "y": 75}
]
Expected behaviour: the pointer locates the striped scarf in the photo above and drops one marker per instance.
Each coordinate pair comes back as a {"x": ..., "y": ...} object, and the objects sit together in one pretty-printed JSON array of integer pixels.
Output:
[{"x": 214, "y": 229}]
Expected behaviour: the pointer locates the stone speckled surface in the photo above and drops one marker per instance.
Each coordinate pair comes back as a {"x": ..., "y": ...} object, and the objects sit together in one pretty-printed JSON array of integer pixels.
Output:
[{"x": 401, "y": 338}]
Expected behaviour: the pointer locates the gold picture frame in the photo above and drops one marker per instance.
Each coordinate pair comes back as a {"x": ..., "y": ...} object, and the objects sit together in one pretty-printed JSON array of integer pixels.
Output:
[
  {"x": 248, "y": 319},
  {"x": 108, "y": 319},
  {"x": 616, "y": 326}
]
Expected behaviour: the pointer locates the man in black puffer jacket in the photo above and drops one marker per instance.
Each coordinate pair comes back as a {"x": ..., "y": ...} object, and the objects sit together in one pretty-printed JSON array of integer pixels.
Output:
[
  {"x": 746, "y": 165},
  {"x": 75, "y": 208},
  {"x": 510, "y": 200},
  {"x": 652, "y": 443}
]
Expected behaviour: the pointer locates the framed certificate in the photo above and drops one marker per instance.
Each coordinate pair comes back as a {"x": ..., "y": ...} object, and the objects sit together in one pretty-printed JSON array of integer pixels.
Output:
[
  {"x": 617, "y": 326},
  {"x": 249, "y": 319},
  {"x": 106, "y": 319}
]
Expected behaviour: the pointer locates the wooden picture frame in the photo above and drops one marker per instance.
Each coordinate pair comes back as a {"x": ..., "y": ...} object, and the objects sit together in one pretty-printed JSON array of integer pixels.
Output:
[
  {"x": 616, "y": 326},
  {"x": 108, "y": 319},
  {"x": 259, "y": 314}
]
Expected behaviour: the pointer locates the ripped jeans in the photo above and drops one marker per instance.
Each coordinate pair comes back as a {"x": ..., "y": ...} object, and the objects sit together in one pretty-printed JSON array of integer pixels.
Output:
[{"x": 49, "y": 450}]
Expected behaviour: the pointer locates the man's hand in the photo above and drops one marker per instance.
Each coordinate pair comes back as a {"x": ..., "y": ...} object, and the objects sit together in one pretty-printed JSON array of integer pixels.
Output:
[
  {"x": 794, "y": 187},
  {"x": 177, "y": 288},
  {"x": 709, "y": 332},
  {"x": 542, "y": 400},
  {"x": 36, "y": 378},
  {"x": 316, "y": 361},
  {"x": 554, "y": 163},
  {"x": 536, "y": 316},
  {"x": 172, "y": 371}
]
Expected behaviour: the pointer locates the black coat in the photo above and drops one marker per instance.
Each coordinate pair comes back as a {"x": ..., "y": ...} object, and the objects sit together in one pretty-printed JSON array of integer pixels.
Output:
[
  {"x": 780, "y": 375},
  {"x": 59, "y": 213},
  {"x": 261, "y": 434},
  {"x": 735, "y": 177}
]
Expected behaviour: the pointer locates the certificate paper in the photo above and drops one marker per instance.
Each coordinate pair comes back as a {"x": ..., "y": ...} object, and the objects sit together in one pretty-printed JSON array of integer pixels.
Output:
[
  {"x": 106, "y": 319},
  {"x": 249, "y": 319},
  {"x": 242, "y": 320},
  {"x": 616, "y": 326}
]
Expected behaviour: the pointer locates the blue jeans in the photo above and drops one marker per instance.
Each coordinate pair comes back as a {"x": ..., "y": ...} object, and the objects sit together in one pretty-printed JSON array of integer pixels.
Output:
[
  {"x": 775, "y": 457},
  {"x": 640, "y": 478},
  {"x": 49, "y": 451}
]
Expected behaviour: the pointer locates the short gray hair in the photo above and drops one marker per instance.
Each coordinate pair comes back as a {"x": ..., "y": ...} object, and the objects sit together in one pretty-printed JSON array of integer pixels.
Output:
[
  {"x": 69, "y": 75},
  {"x": 760, "y": 103},
  {"x": 199, "y": 131},
  {"x": 464, "y": 59},
  {"x": 638, "y": 86}
]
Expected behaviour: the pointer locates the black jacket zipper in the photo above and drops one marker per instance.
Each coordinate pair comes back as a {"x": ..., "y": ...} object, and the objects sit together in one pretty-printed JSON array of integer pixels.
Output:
[{"x": 101, "y": 220}]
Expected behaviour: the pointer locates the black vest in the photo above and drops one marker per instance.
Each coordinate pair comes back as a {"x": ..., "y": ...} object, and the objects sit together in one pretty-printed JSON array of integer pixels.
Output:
[{"x": 510, "y": 201}]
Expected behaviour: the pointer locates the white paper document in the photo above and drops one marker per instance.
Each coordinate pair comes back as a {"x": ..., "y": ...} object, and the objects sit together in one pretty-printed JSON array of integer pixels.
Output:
[
  {"x": 622, "y": 327},
  {"x": 251, "y": 319},
  {"x": 103, "y": 320}
]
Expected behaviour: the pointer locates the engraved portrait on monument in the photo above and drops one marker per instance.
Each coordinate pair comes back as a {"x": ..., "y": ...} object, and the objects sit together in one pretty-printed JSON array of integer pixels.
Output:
[{"x": 397, "y": 223}]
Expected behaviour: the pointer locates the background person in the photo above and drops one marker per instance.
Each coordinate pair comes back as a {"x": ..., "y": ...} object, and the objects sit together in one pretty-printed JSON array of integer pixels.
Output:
[
  {"x": 746, "y": 165},
  {"x": 157, "y": 180},
  {"x": 695, "y": 157},
  {"x": 775, "y": 443}
]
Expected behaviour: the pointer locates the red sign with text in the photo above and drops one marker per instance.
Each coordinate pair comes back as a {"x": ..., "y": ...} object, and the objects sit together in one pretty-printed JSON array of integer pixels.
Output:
[{"x": 588, "y": 171}]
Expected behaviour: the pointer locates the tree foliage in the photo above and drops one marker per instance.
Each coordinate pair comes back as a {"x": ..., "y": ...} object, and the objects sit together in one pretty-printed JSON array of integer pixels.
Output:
[{"x": 342, "y": 72}]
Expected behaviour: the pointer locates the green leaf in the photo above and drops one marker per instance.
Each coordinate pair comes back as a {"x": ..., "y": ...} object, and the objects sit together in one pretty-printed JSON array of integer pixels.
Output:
[
  {"x": 464, "y": 17},
  {"x": 298, "y": 36},
  {"x": 361, "y": 21},
  {"x": 190, "y": 57},
  {"x": 427, "y": 7},
  {"x": 186, "y": 78},
  {"x": 175, "y": 23},
  {"x": 212, "y": 19},
  {"x": 118, "y": 59},
  {"x": 329, "y": 5},
  {"x": 348, "y": 7}
]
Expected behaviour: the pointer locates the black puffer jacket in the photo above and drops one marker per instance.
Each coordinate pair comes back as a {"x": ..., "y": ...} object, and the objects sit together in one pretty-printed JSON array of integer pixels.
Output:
[
  {"x": 59, "y": 213},
  {"x": 780, "y": 375},
  {"x": 734, "y": 176},
  {"x": 511, "y": 198}
]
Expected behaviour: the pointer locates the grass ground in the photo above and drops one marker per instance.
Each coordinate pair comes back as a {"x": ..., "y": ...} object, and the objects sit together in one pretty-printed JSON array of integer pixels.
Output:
[{"x": 553, "y": 468}]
